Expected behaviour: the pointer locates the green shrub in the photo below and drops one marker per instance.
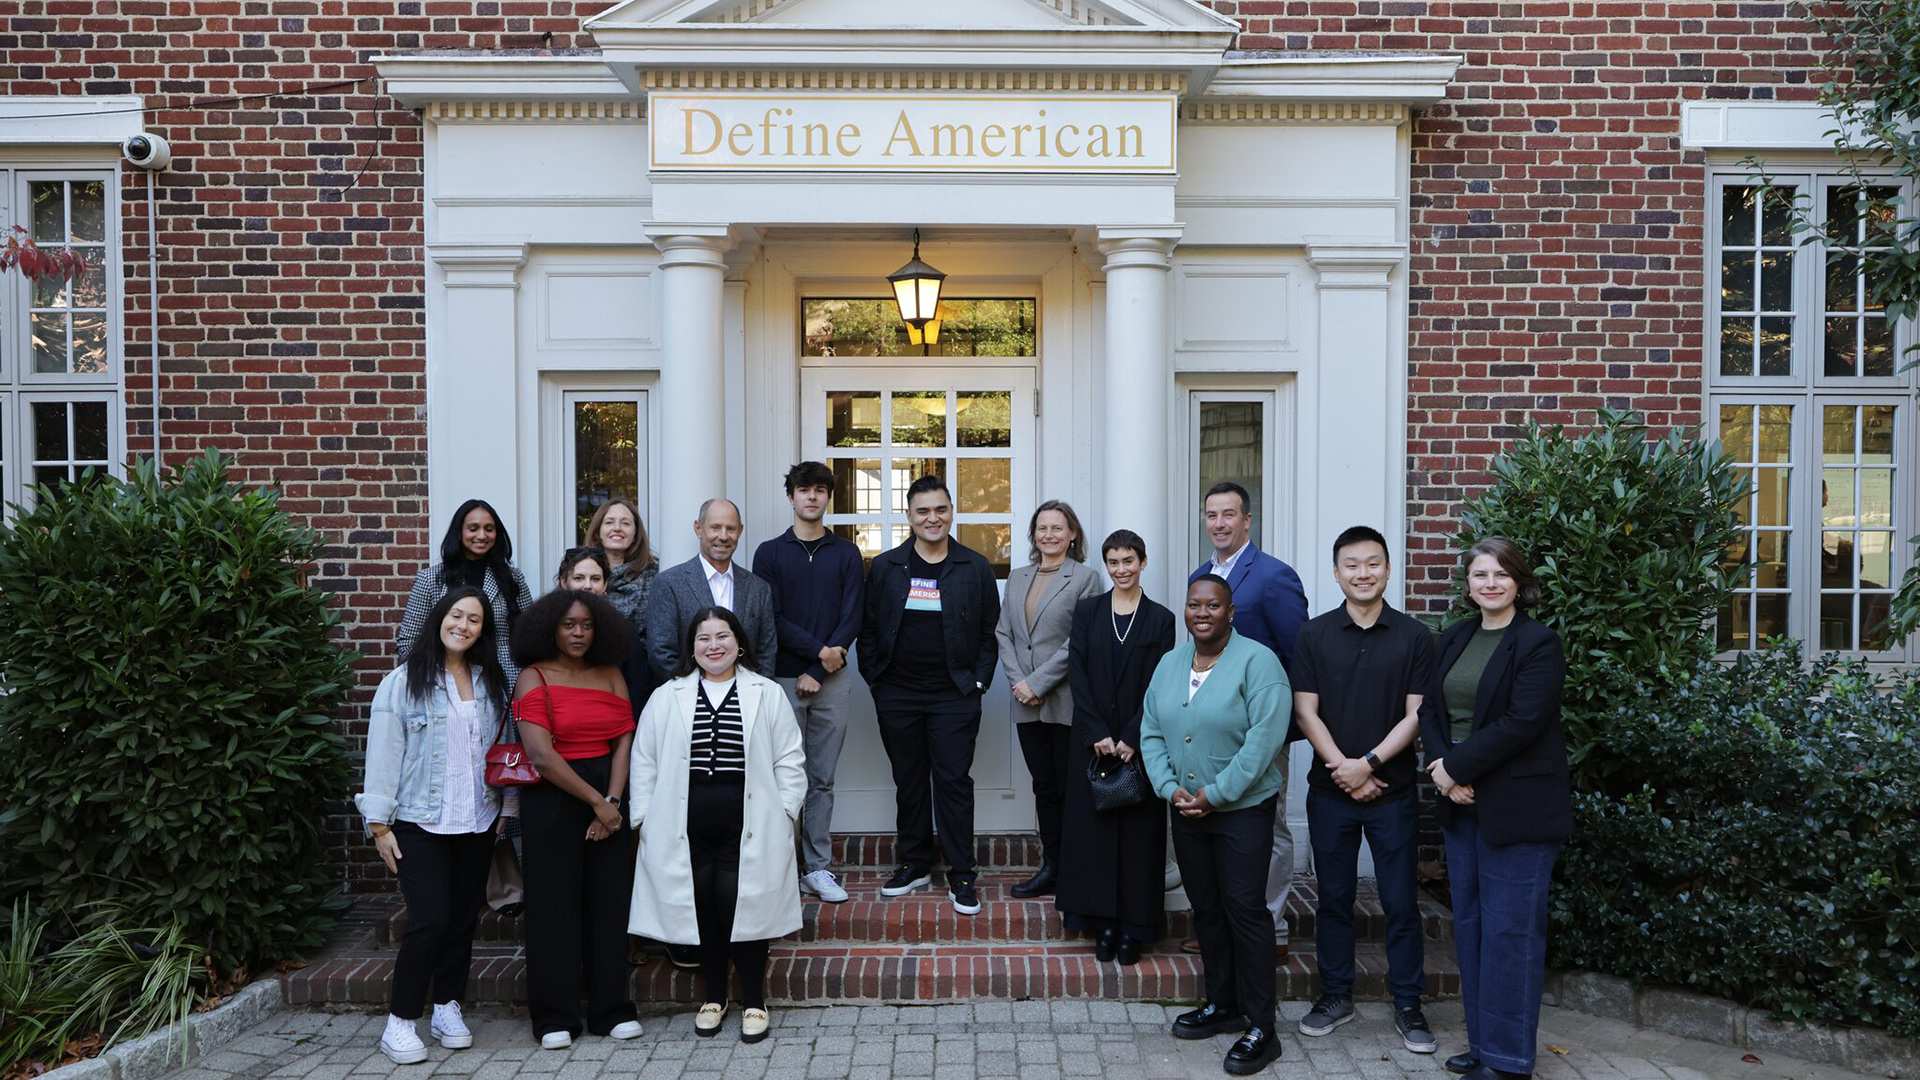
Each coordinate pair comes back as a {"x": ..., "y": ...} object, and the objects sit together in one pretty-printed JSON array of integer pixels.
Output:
[
  {"x": 1767, "y": 847},
  {"x": 1626, "y": 535},
  {"x": 166, "y": 684}
]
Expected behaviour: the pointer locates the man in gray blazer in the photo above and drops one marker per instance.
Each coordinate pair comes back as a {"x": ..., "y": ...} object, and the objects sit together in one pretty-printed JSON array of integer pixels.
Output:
[{"x": 710, "y": 579}]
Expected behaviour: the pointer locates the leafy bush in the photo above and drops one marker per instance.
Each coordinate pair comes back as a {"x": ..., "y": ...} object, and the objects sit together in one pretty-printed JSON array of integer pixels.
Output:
[
  {"x": 1768, "y": 847},
  {"x": 166, "y": 682},
  {"x": 1627, "y": 535}
]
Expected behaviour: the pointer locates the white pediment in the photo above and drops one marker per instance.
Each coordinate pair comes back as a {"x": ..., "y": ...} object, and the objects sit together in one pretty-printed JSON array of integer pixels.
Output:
[{"x": 927, "y": 14}]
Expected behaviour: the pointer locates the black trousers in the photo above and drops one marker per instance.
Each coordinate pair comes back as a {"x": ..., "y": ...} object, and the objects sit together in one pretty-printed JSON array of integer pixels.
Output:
[
  {"x": 716, "y": 816},
  {"x": 444, "y": 881},
  {"x": 929, "y": 741},
  {"x": 1045, "y": 746},
  {"x": 578, "y": 893},
  {"x": 1223, "y": 861}
]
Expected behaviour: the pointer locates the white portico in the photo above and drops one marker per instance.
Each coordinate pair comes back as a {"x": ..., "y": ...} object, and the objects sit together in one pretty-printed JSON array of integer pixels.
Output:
[{"x": 651, "y": 273}]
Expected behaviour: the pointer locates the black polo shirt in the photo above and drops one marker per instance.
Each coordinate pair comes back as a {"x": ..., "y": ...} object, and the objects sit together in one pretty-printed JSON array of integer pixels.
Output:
[{"x": 1363, "y": 677}]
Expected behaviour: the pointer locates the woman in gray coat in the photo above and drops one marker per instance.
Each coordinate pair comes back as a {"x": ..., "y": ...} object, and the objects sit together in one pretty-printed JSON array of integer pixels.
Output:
[{"x": 1036, "y": 622}]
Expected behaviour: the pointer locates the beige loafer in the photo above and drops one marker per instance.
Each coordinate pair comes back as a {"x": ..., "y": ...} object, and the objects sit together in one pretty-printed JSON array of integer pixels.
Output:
[
  {"x": 754, "y": 1024},
  {"x": 706, "y": 1022}
]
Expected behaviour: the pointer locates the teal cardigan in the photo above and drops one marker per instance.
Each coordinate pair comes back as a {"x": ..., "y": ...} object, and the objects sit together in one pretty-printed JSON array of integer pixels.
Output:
[{"x": 1228, "y": 740}]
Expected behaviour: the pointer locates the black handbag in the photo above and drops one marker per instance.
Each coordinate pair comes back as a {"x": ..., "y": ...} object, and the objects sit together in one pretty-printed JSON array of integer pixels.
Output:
[{"x": 1117, "y": 784}]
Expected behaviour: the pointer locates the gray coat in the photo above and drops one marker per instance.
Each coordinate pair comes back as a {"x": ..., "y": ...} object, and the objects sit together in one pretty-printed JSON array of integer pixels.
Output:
[
  {"x": 1039, "y": 654},
  {"x": 679, "y": 591}
]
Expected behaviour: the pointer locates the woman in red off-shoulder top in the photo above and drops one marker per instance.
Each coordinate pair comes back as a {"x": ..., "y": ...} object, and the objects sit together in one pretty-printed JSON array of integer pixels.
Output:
[{"x": 577, "y": 724}]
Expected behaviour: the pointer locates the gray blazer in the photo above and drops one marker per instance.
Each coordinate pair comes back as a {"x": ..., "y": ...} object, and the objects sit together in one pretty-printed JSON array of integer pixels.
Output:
[
  {"x": 1039, "y": 655},
  {"x": 679, "y": 591}
]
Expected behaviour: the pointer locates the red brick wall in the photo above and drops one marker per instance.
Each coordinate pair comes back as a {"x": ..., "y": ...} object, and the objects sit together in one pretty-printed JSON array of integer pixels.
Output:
[{"x": 1557, "y": 223}]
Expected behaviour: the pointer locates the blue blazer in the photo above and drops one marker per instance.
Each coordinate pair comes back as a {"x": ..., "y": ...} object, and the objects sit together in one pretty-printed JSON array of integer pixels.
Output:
[{"x": 1269, "y": 604}]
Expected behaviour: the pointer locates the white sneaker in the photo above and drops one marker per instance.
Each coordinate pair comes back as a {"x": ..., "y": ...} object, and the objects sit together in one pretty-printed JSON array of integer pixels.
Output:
[
  {"x": 626, "y": 1029},
  {"x": 824, "y": 885},
  {"x": 401, "y": 1042},
  {"x": 1173, "y": 876},
  {"x": 450, "y": 1027},
  {"x": 556, "y": 1040}
]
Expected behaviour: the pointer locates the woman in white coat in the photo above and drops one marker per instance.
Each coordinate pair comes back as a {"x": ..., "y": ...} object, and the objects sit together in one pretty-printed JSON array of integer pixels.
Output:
[{"x": 718, "y": 776}]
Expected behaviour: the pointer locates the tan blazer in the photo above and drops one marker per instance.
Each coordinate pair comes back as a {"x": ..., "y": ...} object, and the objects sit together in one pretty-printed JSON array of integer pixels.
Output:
[{"x": 1039, "y": 654}]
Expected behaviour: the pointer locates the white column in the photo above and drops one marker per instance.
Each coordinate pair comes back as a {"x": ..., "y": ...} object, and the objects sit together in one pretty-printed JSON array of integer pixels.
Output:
[
  {"x": 1137, "y": 384},
  {"x": 473, "y": 441},
  {"x": 692, "y": 409}
]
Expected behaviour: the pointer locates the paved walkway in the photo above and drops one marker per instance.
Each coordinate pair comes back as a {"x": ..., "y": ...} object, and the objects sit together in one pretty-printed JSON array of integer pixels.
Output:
[{"x": 1029, "y": 1040}]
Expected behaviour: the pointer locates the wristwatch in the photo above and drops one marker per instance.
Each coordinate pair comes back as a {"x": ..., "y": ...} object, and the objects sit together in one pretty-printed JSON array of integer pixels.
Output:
[{"x": 1372, "y": 759}]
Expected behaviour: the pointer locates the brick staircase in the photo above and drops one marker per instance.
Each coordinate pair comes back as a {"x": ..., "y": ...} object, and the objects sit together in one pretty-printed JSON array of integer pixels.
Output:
[{"x": 909, "y": 948}]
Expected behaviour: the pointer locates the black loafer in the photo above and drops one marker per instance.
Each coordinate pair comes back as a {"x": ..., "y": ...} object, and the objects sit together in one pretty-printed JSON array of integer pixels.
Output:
[
  {"x": 1207, "y": 1021},
  {"x": 1128, "y": 953},
  {"x": 1463, "y": 1063},
  {"x": 1040, "y": 884},
  {"x": 1254, "y": 1051},
  {"x": 1105, "y": 944},
  {"x": 1483, "y": 1071}
]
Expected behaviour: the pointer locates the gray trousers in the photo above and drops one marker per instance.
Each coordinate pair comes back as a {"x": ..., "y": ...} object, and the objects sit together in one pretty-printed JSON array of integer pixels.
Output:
[
  {"x": 823, "y": 728},
  {"x": 1280, "y": 868}
]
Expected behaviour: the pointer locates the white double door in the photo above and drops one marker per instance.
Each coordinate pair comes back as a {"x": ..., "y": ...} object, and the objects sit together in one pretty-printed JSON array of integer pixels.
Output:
[{"x": 880, "y": 428}]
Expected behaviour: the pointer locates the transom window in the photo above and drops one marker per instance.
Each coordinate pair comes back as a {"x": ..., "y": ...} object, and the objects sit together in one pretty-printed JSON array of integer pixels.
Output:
[{"x": 1807, "y": 396}]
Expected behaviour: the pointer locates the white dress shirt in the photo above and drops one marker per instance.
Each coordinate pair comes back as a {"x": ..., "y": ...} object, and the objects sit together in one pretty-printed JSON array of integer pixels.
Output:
[
  {"x": 720, "y": 583},
  {"x": 1225, "y": 568}
]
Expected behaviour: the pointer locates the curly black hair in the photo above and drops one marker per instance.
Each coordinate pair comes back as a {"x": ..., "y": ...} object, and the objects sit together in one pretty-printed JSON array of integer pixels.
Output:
[{"x": 534, "y": 632}]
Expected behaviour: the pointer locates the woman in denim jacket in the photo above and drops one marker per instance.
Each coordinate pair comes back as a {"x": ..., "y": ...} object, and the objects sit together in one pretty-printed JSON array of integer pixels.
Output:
[{"x": 430, "y": 811}]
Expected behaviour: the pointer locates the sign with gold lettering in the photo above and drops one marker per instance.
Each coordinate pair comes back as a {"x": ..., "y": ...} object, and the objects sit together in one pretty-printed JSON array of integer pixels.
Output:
[{"x": 933, "y": 132}]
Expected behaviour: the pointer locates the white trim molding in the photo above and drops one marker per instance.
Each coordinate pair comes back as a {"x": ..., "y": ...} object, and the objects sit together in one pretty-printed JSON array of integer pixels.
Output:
[
  {"x": 1757, "y": 125},
  {"x": 71, "y": 121}
]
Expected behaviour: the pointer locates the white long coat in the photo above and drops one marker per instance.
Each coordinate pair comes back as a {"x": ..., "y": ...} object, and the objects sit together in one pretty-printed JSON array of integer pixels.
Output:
[{"x": 769, "y": 904}]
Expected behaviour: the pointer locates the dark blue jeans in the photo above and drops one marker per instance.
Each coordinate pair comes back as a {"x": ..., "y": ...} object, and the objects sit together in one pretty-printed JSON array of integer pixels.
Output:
[
  {"x": 1391, "y": 828},
  {"x": 1500, "y": 932}
]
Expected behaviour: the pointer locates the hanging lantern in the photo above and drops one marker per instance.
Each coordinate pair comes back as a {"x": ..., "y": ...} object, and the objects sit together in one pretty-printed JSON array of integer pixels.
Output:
[{"x": 916, "y": 288}]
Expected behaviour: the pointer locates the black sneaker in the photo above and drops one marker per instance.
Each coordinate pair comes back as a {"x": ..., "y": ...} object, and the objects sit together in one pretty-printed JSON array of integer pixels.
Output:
[
  {"x": 1327, "y": 1013},
  {"x": 686, "y": 957},
  {"x": 906, "y": 879},
  {"x": 1414, "y": 1031},
  {"x": 966, "y": 898}
]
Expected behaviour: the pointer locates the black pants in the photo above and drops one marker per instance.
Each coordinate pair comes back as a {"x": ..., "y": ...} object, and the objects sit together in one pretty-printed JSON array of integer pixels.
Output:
[
  {"x": 929, "y": 738},
  {"x": 1223, "y": 861},
  {"x": 578, "y": 892},
  {"x": 716, "y": 815},
  {"x": 1045, "y": 748},
  {"x": 444, "y": 881}
]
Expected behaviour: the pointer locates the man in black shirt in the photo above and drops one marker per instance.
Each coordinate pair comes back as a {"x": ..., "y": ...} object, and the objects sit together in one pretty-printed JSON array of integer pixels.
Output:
[
  {"x": 927, "y": 650},
  {"x": 1358, "y": 676}
]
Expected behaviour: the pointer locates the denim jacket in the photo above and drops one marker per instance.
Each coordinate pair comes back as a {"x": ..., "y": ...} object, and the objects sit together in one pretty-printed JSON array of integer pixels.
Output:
[{"x": 407, "y": 752}]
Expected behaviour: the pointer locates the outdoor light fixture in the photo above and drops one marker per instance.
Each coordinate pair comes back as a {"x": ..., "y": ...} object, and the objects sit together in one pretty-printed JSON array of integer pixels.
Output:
[
  {"x": 924, "y": 335},
  {"x": 916, "y": 288}
]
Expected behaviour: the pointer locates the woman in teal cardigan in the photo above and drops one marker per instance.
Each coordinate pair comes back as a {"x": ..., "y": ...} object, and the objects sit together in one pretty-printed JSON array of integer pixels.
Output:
[{"x": 1215, "y": 719}]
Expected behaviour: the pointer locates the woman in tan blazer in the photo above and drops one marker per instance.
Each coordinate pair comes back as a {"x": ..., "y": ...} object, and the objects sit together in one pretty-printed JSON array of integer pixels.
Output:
[{"x": 1036, "y": 621}]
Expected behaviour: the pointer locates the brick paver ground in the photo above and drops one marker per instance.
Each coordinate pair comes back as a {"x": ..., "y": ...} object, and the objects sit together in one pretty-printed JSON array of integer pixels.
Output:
[{"x": 1027, "y": 1040}]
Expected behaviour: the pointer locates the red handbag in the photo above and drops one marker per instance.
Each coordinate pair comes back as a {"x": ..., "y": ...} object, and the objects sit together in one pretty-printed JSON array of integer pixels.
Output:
[{"x": 507, "y": 762}]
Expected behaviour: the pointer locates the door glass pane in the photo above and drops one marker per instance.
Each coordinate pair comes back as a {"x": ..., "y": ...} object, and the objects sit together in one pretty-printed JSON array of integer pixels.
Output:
[
  {"x": 856, "y": 487},
  {"x": 1232, "y": 448},
  {"x": 994, "y": 540},
  {"x": 853, "y": 418},
  {"x": 986, "y": 418},
  {"x": 906, "y": 470},
  {"x": 984, "y": 486},
  {"x": 920, "y": 418},
  {"x": 606, "y": 457},
  {"x": 871, "y": 326}
]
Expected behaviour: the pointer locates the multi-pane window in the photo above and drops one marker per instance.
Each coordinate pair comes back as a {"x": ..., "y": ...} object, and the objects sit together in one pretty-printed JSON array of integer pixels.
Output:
[
  {"x": 1809, "y": 400},
  {"x": 59, "y": 339}
]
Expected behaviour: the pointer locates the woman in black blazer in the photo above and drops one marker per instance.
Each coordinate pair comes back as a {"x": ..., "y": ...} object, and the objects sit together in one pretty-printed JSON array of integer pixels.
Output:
[
  {"x": 1113, "y": 865},
  {"x": 1496, "y": 751}
]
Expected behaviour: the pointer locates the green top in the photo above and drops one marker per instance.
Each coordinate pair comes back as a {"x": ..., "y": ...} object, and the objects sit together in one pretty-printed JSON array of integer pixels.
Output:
[{"x": 1462, "y": 683}]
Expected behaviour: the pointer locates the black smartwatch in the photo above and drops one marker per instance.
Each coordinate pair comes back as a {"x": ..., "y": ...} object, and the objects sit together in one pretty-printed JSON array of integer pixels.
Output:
[{"x": 1372, "y": 759}]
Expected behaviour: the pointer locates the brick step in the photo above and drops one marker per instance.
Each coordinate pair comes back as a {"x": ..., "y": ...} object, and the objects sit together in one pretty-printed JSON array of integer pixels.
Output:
[
  {"x": 926, "y": 917},
  {"x": 815, "y": 974},
  {"x": 993, "y": 851}
]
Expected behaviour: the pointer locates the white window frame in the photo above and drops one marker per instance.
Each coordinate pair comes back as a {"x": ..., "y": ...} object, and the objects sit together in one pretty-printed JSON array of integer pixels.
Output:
[
  {"x": 23, "y": 374},
  {"x": 561, "y": 391},
  {"x": 1807, "y": 390},
  {"x": 1276, "y": 483}
]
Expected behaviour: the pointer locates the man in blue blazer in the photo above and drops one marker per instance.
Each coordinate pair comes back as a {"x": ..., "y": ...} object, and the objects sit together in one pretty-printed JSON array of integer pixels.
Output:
[{"x": 1269, "y": 606}]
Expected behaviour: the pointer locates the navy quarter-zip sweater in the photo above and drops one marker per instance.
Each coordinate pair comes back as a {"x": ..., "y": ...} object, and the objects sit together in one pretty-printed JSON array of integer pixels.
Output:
[{"x": 816, "y": 602}]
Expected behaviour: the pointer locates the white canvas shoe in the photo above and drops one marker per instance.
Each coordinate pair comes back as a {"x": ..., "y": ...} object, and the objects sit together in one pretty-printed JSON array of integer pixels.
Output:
[
  {"x": 626, "y": 1029},
  {"x": 824, "y": 885},
  {"x": 556, "y": 1040},
  {"x": 450, "y": 1027},
  {"x": 401, "y": 1042}
]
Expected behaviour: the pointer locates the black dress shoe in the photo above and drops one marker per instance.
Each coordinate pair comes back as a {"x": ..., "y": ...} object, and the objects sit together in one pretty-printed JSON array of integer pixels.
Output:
[
  {"x": 1128, "y": 953},
  {"x": 1254, "y": 1051},
  {"x": 1483, "y": 1071},
  {"x": 1463, "y": 1063},
  {"x": 1207, "y": 1021},
  {"x": 1105, "y": 944},
  {"x": 1040, "y": 884}
]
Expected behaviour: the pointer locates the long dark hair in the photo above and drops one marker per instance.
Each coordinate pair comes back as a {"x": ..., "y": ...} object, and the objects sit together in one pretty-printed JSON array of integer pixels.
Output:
[
  {"x": 688, "y": 665},
  {"x": 426, "y": 661},
  {"x": 457, "y": 569}
]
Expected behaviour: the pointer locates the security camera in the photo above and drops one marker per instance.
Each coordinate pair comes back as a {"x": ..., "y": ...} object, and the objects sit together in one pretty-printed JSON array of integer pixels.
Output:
[{"x": 146, "y": 151}]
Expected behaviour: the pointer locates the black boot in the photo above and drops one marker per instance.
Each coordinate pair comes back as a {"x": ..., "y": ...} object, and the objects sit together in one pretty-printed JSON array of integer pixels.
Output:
[
  {"x": 1254, "y": 1051},
  {"x": 1105, "y": 944},
  {"x": 1129, "y": 951},
  {"x": 1040, "y": 884},
  {"x": 1463, "y": 1063}
]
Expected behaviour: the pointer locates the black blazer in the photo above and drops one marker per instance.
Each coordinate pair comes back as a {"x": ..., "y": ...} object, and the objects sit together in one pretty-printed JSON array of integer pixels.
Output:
[
  {"x": 1516, "y": 757},
  {"x": 969, "y": 610},
  {"x": 1107, "y": 703}
]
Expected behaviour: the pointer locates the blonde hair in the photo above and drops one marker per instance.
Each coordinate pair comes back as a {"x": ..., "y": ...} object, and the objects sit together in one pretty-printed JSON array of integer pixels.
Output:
[{"x": 641, "y": 553}]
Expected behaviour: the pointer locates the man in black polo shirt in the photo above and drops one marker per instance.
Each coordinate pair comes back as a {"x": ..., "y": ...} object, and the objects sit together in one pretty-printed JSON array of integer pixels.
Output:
[{"x": 1358, "y": 674}]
